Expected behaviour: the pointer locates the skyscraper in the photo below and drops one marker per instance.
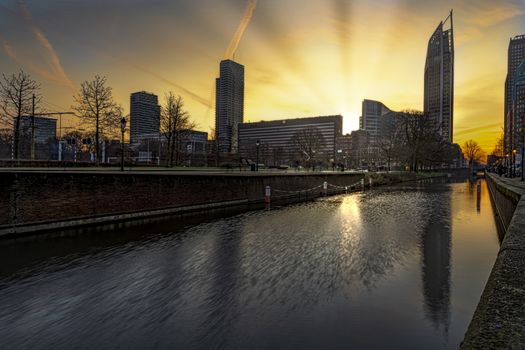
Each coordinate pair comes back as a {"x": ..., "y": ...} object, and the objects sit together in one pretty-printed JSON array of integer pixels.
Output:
[
  {"x": 144, "y": 116},
  {"x": 229, "y": 106},
  {"x": 516, "y": 55},
  {"x": 439, "y": 79},
  {"x": 518, "y": 107}
]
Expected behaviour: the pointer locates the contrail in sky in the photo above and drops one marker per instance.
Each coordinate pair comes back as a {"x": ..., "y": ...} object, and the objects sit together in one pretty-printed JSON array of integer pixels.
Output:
[
  {"x": 193, "y": 95},
  {"x": 246, "y": 18},
  {"x": 58, "y": 73}
]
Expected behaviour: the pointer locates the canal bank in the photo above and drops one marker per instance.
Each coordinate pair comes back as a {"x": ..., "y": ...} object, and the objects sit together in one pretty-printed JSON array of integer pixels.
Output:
[
  {"x": 42, "y": 201},
  {"x": 499, "y": 320}
]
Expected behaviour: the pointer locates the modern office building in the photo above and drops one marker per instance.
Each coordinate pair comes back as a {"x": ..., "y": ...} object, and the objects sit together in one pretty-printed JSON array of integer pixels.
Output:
[
  {"x": 144, "y": 117},
  {"x": 229, "y": 106},
  {"x": 516, "y": 54},
  {"x": 45, "y": 129},
  {"x": 518, "y": 107},
  {"x": 276, "y": 137},
  {"x": 372, "y": 114},
  {"x": 359, "y": 152},
  {"x": 194, "y": 142},
  {"x": 439, "y": 79}
]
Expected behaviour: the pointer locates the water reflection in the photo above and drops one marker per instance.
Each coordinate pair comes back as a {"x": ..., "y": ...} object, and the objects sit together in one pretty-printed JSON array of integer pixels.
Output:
[
  {"x": 436, "y": 246},
  {"x": 366, "y": 270}
]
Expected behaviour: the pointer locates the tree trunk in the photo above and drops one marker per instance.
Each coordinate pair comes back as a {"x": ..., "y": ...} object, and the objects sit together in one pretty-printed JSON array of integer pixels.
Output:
[
  {"x": 16, "y": 139},
  {"x": 97, "y": 139}
]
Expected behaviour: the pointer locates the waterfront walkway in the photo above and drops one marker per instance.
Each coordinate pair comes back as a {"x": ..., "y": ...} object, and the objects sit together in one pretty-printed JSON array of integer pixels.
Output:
[
  {"x": 514, "y": 184},
  {"x": 499, "y": 321}
]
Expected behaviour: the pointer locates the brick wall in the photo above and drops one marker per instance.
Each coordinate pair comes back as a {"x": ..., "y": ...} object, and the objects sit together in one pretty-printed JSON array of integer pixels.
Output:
[{"x": 35, "y": 197}]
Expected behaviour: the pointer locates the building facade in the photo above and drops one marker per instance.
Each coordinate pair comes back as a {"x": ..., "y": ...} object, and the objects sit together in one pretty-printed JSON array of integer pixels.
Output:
[
  {"x": 276, "y": 139},
  {"x": 372, "y": 114},
  {"x": 194, "y": 142},
  {"x": 144, "y": 117},
  {"x": 439, "y": 79},
  {"x": 45, "y": 129},
  {"x": 516, "y": 54},
  {"x": 229, "y": 106},
  {"x": 518, "y": 107}
]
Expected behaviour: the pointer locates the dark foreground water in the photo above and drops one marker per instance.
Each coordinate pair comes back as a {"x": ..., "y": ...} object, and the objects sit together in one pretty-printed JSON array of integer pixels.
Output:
[{"x": 395, "y": 268}]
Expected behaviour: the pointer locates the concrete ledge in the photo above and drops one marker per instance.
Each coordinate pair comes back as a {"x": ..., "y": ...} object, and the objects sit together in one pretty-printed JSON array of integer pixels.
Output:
[
  {"x": 499, "y": 320},
  {"x": 7, "y": 231}
]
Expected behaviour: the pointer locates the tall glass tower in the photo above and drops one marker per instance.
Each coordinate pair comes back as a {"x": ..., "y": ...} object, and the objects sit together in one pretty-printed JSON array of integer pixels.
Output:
[
  {"x": 229, "y": 106},
  {"x": 439, "y": 79}
]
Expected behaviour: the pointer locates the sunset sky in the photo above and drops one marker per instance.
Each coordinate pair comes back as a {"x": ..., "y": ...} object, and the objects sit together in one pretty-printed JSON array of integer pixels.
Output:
[{"x": 302, "y": 58}]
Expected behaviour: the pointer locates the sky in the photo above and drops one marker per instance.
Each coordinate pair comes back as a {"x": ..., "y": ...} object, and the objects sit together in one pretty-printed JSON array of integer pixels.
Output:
[{"x": 302, "y": 58}]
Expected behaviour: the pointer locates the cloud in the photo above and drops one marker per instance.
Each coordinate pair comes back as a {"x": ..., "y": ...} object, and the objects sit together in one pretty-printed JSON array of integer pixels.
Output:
[
  {"x": 493, "y": 14},
  {"x": 57, "y": 73},
  {"x": 191, "y": 94},
  {"x": 235, "y": 41},
  {"x": 478, "y": 129}
]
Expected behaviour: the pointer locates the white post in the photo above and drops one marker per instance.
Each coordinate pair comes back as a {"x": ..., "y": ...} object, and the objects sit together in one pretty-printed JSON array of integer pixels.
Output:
[
  {"x": 268, "y": 195},
  {"x": 325, "y": 188},
  {"x": 363, "y": 183},
  {"x": 59, "y": 151}
]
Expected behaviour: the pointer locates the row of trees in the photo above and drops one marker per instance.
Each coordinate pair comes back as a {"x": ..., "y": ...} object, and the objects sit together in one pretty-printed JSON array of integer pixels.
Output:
[
  {"x": 96, "y": 108},
  {"x": 412, "y": 139}
]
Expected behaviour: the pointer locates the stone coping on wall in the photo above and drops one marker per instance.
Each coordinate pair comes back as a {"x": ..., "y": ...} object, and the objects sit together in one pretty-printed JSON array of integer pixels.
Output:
[{"x": 499, "y": 320}]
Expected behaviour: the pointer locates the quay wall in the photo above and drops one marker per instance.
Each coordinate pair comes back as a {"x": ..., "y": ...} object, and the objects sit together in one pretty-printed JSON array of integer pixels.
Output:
[
  {"x": 37, "y": 200},
  {"x": 499, "y": 320}
]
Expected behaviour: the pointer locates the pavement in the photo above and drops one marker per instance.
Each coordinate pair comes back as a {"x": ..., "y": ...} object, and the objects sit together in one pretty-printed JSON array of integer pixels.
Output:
[{"x": 514, "y": 184}]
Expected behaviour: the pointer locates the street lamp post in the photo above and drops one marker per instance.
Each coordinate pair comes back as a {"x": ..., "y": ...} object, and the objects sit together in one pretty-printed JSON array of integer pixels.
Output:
[
  {"x": 514, "y": 163},
  {"x": 507, "y": 165},
  {"x": 122, "y": 129},
  {"x": 257, "y": 143}
]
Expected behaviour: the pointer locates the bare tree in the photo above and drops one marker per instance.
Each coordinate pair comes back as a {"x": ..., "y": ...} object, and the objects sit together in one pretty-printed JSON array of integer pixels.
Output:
[
  {"x": 415, "y": 125},
  {"x": 174, "y": 121},
  {"x": 499, "y": 147},
  {"x": 390, "y": 139},
  {"x": 17, "y": 94},
  {"x": 96, "y": 107},
  {"x": 473, "y": 152},
  {"x": 308, "y": 142}
]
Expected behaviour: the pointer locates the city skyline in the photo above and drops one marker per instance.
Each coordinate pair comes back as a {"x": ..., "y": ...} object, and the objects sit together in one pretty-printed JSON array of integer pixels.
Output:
[{"x": 293, "y": 68}]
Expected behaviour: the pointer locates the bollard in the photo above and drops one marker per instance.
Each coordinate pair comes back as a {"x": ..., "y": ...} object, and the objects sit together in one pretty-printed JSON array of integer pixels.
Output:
[
  {"x": 346, "y": 189},
  {"x": 370, "y": 182},
  {"x": 363, "y": 184},
  {"x": 268, "y": 195},
  {"x": 325, "y": 188}
]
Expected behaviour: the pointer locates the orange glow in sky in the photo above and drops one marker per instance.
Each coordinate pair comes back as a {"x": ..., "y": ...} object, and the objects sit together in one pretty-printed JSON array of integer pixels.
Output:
[{"x": 302, "y": 58}]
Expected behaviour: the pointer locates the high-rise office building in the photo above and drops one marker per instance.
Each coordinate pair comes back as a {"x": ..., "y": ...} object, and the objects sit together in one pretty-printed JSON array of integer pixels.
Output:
[
  {"x": 518, "y": 107},
  {"x": 229, "y": 106},
  {"x": 439, "y": 79},
  {"x": 144, "y": 116},
  {"x": 516, "y": 55},
  {"x": 371, "y": 118}
]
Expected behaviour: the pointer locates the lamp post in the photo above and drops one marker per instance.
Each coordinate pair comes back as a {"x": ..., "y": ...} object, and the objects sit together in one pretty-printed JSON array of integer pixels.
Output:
[
  {"x": 522, "y": 161},
  {"x": 507, "y": 171},
  {"x": 122, "y": 129},
  {"x": 514, "y": 162},
  {"x": 257, "y": 143}
]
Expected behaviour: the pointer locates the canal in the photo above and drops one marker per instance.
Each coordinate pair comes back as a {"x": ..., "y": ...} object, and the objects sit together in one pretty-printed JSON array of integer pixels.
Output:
[{"x": 393, "y": 268}]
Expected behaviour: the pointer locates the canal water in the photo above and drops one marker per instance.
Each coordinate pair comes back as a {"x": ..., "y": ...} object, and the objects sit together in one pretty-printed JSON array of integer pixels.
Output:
[{"x": 393, "y": 268}]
